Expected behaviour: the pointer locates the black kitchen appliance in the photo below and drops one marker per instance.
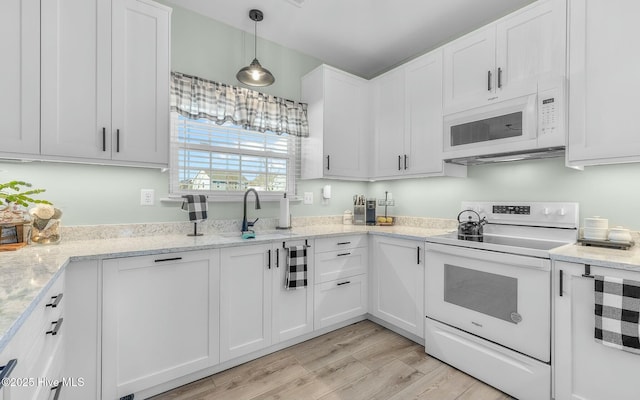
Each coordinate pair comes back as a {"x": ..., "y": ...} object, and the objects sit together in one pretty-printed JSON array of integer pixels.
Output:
[{"x": 371, "y": 212}]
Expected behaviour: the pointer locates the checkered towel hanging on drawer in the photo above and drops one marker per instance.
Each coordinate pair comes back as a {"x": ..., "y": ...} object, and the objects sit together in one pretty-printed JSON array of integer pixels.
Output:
[
  {"x": 296, "y": 276},
  {"x": 617, "y": 311},
  {"x": 196, "y": 205}
]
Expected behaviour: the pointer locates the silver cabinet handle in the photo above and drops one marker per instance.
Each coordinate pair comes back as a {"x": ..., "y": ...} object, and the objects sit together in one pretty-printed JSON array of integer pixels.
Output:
[
  {"x": 56, "y": 327},
  {"x": 499, "y": 78},
  {"x": 55, "y": 300},
  {"x": 399, "y": 161},
  {"x": 489, "y": 81},
  {"x": 405, "y": 161}
]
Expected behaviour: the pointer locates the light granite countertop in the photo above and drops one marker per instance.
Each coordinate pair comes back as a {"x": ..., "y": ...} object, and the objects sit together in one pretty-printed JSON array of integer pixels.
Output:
[
  {"x": 610, "y": 258},
  {"x": 27, "y": 274}
]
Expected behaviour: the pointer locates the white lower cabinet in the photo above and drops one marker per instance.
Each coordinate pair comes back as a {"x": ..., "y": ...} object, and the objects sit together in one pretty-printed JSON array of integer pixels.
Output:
[
  {"x": 583, "y": 368},
  {"x": 397, "y": 282},
  {"x": 160, "y": 319},
  {"x": 37, "y": 348},
  {"x": 341, "y": 279},
  {"x": 256, "y": 310}
]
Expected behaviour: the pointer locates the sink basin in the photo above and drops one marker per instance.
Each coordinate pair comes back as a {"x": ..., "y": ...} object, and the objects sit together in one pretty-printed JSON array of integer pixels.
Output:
[{"x": 259, "y": 234}]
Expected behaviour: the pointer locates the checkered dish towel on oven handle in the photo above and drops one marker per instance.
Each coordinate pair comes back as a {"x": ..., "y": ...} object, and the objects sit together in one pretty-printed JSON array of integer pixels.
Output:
[
  {"x": 296, "y": 276},
  {"x": 617, "y": 312},
  {"x": 196, "y": 205}
]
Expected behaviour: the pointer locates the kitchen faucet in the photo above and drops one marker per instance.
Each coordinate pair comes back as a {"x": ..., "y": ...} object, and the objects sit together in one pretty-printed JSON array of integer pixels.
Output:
[{"x": 246, "y": 225}]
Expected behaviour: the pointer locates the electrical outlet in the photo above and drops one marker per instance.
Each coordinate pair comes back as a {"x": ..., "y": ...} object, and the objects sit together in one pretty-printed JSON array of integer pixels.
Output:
[
  {"x": 308, "y": 198},
  {"x": 147, "y": 197}
]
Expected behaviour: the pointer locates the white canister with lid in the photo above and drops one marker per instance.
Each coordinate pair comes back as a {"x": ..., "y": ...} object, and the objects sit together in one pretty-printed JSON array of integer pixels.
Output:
[
  {"x": 619, "y": 234},
  {"x": 347, "y": 217}
]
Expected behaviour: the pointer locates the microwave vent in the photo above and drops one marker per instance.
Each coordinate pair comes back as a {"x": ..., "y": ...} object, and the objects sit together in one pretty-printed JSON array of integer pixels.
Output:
[{"x": 537, "y": 154}]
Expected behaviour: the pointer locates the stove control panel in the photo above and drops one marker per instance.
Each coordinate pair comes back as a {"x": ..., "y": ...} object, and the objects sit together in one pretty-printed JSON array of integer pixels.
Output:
[
  {"x": 527, "y": 213},
  {"x": 520, "y": 210}
]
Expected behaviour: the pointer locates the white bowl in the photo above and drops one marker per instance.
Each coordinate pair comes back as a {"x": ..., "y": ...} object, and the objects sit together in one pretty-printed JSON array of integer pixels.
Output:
[
  {"x": 595, "y": 233},
  {"x": 596, "y": 222},
  {"x": 619, "y": 234}
]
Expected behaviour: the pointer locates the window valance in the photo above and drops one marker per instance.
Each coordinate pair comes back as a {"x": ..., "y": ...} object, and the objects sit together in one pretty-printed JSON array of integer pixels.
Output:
[{"x": 197, "y": 98}]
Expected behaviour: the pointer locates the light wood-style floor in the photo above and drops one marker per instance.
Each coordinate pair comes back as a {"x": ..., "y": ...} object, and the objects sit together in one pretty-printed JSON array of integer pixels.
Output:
[{"x": 361, "y": 361}]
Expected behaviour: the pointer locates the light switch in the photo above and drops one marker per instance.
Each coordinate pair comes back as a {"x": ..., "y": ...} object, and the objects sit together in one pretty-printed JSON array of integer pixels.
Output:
[
  {"x": 147, "y": 197},
  {"x": 308, "y": 197}
]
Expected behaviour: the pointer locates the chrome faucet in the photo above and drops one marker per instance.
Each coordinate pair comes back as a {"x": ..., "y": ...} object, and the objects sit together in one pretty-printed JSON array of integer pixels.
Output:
[{"x": 246, "y": 225}]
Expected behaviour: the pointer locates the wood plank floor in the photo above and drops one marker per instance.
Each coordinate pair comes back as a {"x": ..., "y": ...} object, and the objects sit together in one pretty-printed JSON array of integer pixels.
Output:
[{"x": 361, "y": 361}]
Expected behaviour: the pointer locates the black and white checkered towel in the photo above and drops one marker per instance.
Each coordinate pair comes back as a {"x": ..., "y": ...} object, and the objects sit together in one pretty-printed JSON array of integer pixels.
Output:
[
  {"x": 296, "y": 276},
  {"x": 617, "y": 311},
  {"x": 196, "y": 205}
]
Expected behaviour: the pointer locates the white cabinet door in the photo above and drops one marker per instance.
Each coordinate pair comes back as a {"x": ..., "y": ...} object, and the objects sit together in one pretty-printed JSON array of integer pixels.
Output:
[
  {"x": 20, "y": 77},
  {"x": 160, "y": 319},
  {"x": 469, "y": 65},
  {"x": 245, "y": 299},
  {"x": 76, "y": 79},
  {"x": 105, "y": 74},
  {"x": 340, "y": 300},
  {"x": 584, "y": 369},
  {"x": 337, "y": 142},
  {"x": 389, "y": 111},
  {"x": 140, "y": 102},
  {"x": 292, "y": 311},
  {"x": 423, "y": 113},
  {"x": 603, "y": 69},
  {"x": 397, "y": 294},
  {"x": 530, "y": 45}
]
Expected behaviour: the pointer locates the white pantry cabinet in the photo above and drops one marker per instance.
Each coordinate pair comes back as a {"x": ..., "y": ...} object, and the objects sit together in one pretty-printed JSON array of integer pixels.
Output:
[
  {"x": 584, "y": 369},
  {"x": 338, "y": 125},
  {"x": 160, "y": 319},
  {"x": 603, "y": 73},
  {"x": 507, "y": 57},
  {"x": 408, "y": 121},
  {"x": 397, "y": 283},
  {"x": 105, "y": 81},
  {"x": 20, "y": 77}
]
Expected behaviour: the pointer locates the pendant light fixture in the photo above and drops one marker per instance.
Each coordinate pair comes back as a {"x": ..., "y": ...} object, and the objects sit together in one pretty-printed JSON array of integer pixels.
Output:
[{"x": 255, "y": 74}]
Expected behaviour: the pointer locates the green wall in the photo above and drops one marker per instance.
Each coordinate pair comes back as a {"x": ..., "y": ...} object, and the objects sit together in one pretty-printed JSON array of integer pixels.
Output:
[{"x": 94, "y": 194}]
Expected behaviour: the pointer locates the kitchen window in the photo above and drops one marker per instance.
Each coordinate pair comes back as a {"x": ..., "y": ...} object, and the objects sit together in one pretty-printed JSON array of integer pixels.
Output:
[
  {"x": 224, "y": 160},
  {"x": 227, "y": 139}
]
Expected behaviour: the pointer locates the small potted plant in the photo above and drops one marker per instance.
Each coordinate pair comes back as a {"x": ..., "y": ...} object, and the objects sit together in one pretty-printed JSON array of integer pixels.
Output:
[{"x": 13, "y": 196}]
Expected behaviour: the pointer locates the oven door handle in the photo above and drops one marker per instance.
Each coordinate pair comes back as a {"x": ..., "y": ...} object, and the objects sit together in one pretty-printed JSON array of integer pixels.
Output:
[{"x": 513, "y": 260}]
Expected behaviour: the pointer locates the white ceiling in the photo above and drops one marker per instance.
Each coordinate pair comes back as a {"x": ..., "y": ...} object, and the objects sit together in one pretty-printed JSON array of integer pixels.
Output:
[{"x": 364, "y": 37}]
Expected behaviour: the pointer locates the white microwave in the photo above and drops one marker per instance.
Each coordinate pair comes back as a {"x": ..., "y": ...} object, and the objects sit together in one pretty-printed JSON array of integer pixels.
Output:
[{"x": 525, "y": 123}]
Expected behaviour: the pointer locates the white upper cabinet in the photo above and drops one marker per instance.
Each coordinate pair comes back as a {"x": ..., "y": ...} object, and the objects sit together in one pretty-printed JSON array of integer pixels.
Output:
[
  {"x": 407, "y": 109},
  {"x": 505, "y": 58},
  {"x": 105, "y": 81},
  {"x": 603, "y": 73},
  {"x": 336, "y": 146},
  {"x": 20, "y": 77}
]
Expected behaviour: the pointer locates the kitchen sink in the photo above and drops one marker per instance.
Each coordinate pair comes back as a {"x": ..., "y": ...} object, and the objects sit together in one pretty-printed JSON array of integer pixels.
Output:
[{"x": 265, "y": 235}]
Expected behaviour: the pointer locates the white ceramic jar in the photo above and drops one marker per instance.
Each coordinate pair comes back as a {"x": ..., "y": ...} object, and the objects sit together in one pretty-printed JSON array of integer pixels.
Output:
[{"x": 619, "y": 234}]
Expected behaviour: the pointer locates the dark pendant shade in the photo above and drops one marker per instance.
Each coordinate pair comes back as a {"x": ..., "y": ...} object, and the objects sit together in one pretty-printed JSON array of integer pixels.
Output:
[{"x": 255, "y": 74}]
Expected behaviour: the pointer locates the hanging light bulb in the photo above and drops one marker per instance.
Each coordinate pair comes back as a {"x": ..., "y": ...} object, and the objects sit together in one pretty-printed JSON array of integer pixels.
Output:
[{"x": 255, "y": 74}]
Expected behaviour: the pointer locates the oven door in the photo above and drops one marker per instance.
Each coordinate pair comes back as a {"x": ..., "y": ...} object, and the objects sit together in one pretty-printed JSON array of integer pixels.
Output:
[
  {"x": 501, "y": 297},
  {"x": 503, "y": 127}
]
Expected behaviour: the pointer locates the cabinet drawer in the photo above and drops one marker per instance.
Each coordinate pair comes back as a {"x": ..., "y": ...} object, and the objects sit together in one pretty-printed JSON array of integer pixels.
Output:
[
  {"x": 340, "y": 300},
  {"x": 336, "y": 243},
  {"x": 333, "y": 265}
]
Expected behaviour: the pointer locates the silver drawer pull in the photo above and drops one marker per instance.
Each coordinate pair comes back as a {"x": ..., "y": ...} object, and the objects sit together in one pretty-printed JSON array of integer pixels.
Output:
[
  {"x": 343, "y": 283},
  {"x": 343, "y": 243},
  {"x": 56, "y": 327},
  {"x": 55, "y": 300},
  {"x": 344, "y": 254}
]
